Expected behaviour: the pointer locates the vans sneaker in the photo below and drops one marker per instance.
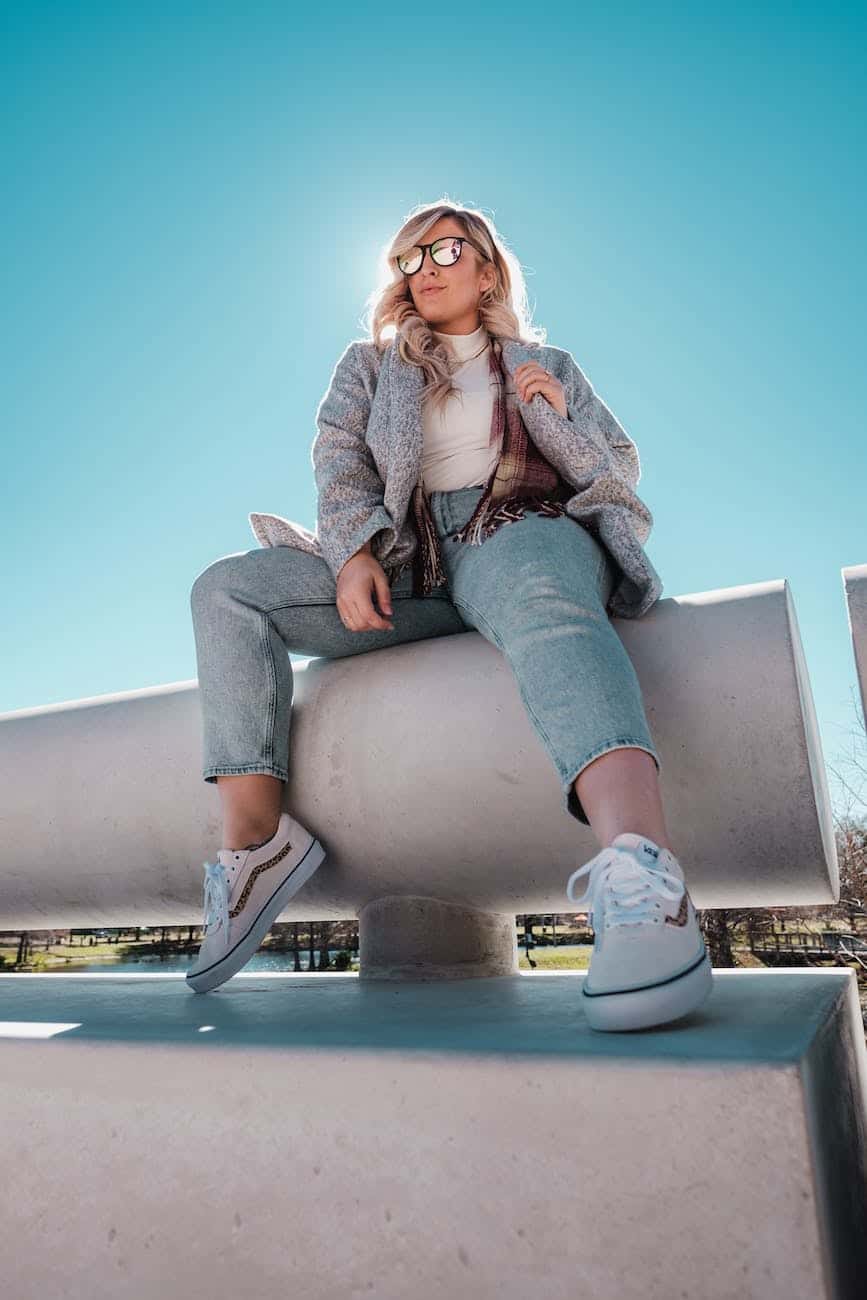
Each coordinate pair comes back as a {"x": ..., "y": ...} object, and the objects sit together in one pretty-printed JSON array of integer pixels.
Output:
[
  {"x": 245, "y": 890},
  {"x": 649, "y": 962}
]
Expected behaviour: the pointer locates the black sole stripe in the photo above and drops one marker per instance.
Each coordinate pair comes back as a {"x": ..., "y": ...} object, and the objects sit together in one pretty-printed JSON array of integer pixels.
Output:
[{"x": 672, "y": 979}]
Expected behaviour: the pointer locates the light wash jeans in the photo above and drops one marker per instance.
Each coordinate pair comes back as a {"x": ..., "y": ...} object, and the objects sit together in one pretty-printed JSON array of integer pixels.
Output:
[{"x": 536, "y": 588}]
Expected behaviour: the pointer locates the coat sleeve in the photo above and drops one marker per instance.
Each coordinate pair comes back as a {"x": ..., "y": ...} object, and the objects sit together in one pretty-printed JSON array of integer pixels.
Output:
[
  {"x": 350, "y": 491},
  {"x": 588, "y": 445},
  {"x": 595, "y": 421}
]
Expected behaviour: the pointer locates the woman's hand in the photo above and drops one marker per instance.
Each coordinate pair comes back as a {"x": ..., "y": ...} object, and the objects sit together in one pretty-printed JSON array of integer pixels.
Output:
[
  {"x": 531, "y": 377},
  {"x": 360, "y": 577}
]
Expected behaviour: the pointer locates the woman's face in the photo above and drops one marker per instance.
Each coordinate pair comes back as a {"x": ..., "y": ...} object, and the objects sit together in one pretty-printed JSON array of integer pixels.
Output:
[{"x": 453, "y": 306}]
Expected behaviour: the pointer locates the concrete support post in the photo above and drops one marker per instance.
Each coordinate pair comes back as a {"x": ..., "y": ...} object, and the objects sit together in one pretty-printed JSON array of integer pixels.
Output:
[{"x": 412, "y": 937}]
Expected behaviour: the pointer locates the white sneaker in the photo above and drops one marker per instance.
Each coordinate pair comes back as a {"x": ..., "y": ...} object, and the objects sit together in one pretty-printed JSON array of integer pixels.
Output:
[
  {"x": 245, "y": 890},
  {"x": 649, "y": 962}
]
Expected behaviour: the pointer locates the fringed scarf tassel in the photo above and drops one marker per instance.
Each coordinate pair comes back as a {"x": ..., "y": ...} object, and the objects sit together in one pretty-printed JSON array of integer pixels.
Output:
[
  {"x": 427, "y": 566},
  {"x": 480, "y": 526}
]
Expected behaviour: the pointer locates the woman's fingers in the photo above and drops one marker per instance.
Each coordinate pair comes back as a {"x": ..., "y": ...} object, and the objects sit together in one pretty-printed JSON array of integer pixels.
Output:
[
  {"x": 532, "y": 378},
  {"x": 355, "y": 596}
]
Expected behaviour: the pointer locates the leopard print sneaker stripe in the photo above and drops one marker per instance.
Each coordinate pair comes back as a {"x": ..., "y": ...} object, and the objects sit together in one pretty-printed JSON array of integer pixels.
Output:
[
  {"x": 681, "y": 917},
  {"x": 254, "y": 876}
]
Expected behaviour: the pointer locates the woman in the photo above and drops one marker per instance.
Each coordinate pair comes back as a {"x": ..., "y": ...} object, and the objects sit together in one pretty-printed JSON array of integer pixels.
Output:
[{"x": 499, "y": 497}]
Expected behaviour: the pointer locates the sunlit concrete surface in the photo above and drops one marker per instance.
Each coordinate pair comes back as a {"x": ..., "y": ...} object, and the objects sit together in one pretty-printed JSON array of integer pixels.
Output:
[
  {"x": 855, "y": 587},
  {"x": 322, "y": 1137},
  {"x": 107, "y": 820}
]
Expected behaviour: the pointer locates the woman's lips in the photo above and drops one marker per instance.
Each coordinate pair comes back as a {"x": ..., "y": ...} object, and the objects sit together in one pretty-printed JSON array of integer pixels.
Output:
[{"x": 433, "y": 289}]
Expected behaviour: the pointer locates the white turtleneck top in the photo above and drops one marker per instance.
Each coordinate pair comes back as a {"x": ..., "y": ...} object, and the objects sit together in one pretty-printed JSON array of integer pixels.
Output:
[{"x": 455, "y": 451}]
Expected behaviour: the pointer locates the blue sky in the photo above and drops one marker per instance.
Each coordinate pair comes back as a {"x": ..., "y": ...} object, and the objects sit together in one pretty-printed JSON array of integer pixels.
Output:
[{"x": 195, "y": 199}]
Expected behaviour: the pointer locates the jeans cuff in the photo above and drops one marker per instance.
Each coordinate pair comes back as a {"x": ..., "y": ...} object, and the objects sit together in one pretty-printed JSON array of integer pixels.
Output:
[{"x": 210, "y": 774}]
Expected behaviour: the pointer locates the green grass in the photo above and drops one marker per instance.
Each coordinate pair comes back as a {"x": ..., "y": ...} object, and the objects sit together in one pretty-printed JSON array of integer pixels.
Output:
[{"x": 551, "y": 959}]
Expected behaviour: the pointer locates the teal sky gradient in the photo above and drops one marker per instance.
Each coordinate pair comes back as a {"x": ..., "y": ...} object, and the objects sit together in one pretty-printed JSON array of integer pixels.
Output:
[{"x": 195, "y": 200}]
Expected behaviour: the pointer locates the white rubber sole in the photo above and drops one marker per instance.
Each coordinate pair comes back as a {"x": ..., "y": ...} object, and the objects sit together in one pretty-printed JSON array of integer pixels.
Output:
[
  {"x": 248, "y": 944},
  {"x": 656, "y": 1005}
]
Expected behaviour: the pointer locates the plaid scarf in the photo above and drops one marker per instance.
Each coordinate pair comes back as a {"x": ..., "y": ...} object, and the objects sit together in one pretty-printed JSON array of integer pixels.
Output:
[{"x": 523, "y": 479}]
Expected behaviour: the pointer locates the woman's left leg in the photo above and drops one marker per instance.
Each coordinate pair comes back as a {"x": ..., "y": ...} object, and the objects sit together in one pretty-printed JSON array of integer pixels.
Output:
[{"x": 537, "y": 588}]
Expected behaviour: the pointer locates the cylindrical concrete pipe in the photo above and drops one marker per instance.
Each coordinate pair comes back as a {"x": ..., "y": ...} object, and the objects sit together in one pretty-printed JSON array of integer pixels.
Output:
[
  {"x": 419, "y": 771},
  {"x": 855, "y": 587}
]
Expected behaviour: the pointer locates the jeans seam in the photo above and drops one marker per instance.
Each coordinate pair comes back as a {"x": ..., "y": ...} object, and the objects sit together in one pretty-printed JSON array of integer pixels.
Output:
[
  {"x": 439, "y": 593},
  {"x": 264, "y": 626},
  {"x": 291, "y": 604},
  {"x": 464, "y": 604}
]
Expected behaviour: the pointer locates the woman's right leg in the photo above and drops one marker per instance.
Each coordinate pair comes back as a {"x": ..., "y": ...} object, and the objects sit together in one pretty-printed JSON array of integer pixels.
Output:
[{"x": 250, "y": 610}]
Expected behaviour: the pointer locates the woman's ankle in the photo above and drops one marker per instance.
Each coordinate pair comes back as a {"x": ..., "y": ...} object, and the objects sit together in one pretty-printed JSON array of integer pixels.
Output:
[{"x": 249, "y": 836}]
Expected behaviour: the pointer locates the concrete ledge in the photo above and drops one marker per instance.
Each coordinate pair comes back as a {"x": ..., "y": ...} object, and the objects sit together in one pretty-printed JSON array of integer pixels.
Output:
[{"x": 323, "y": 1136}]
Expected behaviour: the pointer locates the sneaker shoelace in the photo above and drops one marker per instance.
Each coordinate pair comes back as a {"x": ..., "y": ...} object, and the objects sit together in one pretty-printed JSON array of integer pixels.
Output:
[
  {"x": 216, "y": 897},
  {"x": 632, "y": 890}
]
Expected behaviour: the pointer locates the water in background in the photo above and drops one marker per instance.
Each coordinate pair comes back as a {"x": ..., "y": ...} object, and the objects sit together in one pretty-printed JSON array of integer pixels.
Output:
[{"x": 179, "y": 962}]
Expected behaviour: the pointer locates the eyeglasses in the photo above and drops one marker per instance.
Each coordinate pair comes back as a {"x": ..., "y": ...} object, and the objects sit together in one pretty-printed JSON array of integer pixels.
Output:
[{"x": 445, "y": 252}]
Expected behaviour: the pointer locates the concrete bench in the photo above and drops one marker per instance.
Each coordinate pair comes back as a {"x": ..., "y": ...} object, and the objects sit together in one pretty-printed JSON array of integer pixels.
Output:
[
  {"x": 411, "y": 803},
  {"x": 416, "y": 1132}
]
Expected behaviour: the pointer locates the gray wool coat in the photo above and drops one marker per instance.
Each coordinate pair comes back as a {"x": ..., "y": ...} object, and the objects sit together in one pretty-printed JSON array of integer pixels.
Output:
[{"x": 367, "y": 460}]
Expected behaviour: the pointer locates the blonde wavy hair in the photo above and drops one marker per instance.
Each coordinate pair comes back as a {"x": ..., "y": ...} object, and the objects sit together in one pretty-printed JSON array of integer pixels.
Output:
[{"x": 503, "y": 309}]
